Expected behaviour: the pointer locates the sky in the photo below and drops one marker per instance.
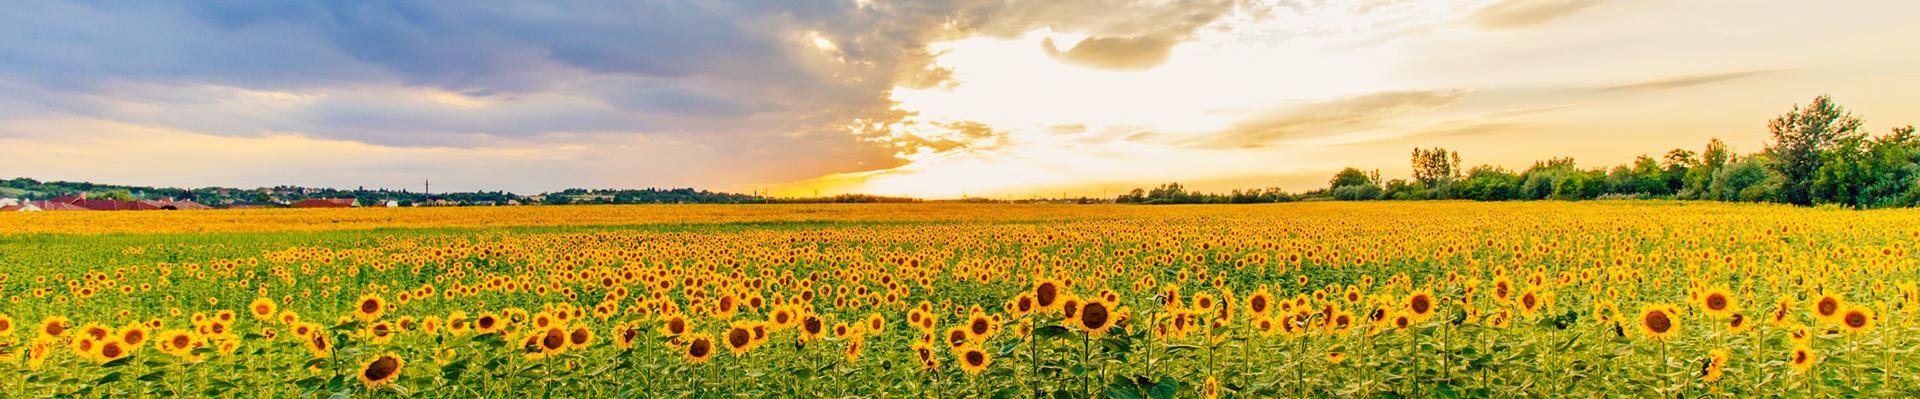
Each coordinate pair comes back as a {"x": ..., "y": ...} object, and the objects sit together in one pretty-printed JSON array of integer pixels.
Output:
[{"x": 934, "y": 99}]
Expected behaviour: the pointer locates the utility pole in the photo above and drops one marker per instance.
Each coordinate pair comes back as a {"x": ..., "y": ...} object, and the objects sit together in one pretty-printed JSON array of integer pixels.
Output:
[{"x": 429, "y": 188}]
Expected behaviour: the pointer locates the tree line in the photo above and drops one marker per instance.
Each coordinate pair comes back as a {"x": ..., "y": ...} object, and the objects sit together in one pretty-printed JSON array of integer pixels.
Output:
[{"x": 1818, "y": 154}]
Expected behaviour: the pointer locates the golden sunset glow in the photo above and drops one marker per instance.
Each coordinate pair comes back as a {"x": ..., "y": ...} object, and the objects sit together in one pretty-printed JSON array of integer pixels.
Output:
[{"x": 972, "y": 98}]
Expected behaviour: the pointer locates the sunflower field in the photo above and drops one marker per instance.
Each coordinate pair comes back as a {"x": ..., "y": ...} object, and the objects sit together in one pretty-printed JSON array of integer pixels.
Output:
[{"x": 1428, "y": 299}]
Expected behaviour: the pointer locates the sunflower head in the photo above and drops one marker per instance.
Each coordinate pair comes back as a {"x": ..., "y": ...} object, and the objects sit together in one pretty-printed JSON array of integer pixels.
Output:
[
  {"x": 972, "y": 359},
  {"x": 1658, "y": 322},
  {"x": 380, "y": 371}
]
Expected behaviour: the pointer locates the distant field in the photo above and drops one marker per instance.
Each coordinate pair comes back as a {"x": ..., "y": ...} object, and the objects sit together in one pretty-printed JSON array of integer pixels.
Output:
[{"x": 1584, "y": 299}]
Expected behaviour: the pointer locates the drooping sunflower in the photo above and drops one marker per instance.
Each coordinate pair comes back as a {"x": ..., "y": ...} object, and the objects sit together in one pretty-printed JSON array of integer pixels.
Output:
[
  {"x": 1659, "y": 322},
  {"x": 624, "y": 335},
  {"x": 929, "y": 361},
  {"x": 318, "y": 344},
  {"x": 1738, "y": 323},
  {"x": 973, "y": 359},
  {"x": 1782, "y": 314},
  {"x": 369, "y": 307},
  {"x": 1715, "y": 366},
  {"x": 1336, "y": 357},
  {"x": 380, "y": 371},
  {"x": 699, "y": 348}
]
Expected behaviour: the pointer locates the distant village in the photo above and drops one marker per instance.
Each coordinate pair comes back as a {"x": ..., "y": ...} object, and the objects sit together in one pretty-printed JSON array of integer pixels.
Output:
[
  {"x": 30, "y": 195},
  {"x": 80, "y": 202}
]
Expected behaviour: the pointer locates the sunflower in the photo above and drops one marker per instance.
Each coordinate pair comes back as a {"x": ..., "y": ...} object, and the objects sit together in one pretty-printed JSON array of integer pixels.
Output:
[
  {"x": 96, "y": 331},
  {"x": 133, "y": 335},
  {"x": 1046, "y": 294},
  {"x": 957, "y": 337},
  {"x": 369, "y": 307},
  {"x": 1715, "y": 366},
  {"x": 110, "y": 350},
  {"x": 1211, "y": 388},
  {"x": 380, "y": 332},
  {"x": 1531, "y": 302},
  {"x": 1802, "y": 358},
  {"x": 1718, "y": 302},
  {"x": 1203, "y": 302},
  {"x": 876, "y": 324},
  {"x": 811, "y": 328},
  {"x": 624, "y": 335},
  {"x": 553, "y": 340},
  {"x": 1782, "y": 314},
  {"x": 1827, "y": 308},
  {"x": 1739, "y": 323},
  {"x": 673, "y": 326},
  {"x": 1095, "y": 317},
  {"x": 699, "y": 348},
  {"x": 1420, "y": 305},
  {"x": 580, "y": 337},
  {"x": 1260, "y": 303},
  {"x": 487, "y": 323},
  {"x": 262, "y": 309},
  {"x": 6, "y": 325},
  {"x": 926, "y": 354},
  {"x": 380, "y": 371},
  {"x": 318, "y": 344},
  {"x": 1856, "y": 319},
  {"x": 972, "y": 359},
  {"x": 854, "y": 347},
  {"x": 979, "y": 327},
  {"x": 1336, "y": 357},
  {"x": 739, "y": 339},
  {"x": 1659, "y": 322}
]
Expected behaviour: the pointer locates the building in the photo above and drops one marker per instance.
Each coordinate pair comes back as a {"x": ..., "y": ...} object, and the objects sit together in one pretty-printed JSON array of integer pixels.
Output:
[
  {"x": 325, "y": 203},
  {"x": 26, "y": 207},
  {"x": 80, "y": 202}
]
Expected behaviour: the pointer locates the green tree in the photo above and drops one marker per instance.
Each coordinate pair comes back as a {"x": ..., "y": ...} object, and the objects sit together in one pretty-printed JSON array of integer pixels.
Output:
[
  {"x": 1799, "y": 138},
  {"x": 1350, "y": 177}
]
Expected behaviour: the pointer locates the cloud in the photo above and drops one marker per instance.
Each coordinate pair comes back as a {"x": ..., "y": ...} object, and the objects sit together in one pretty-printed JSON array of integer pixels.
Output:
[
  {"x": 1516, "y": 14},
  {"x": 1121, "y": 36},
  {"x": 1327, "y": 118},
  {"x": 1114, "y": 53},
  {"x": 1682, "y": 81}
]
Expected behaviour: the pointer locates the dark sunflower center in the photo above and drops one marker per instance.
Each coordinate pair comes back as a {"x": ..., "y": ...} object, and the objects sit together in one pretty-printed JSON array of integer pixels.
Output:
[
  {"x": 1658, "y": 322},
  {"x": 1094, "y": 315},
  {"x": 739, "y": 338},
  {"x": 369, "y": 306},
  {"x": 976, "y": 358},
  {"x": 382, "y": 368},
  {"x": 700, "y": 348},
  {"x": 1856, "y": 319},
  {"x": 1421, "y": 304}
]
